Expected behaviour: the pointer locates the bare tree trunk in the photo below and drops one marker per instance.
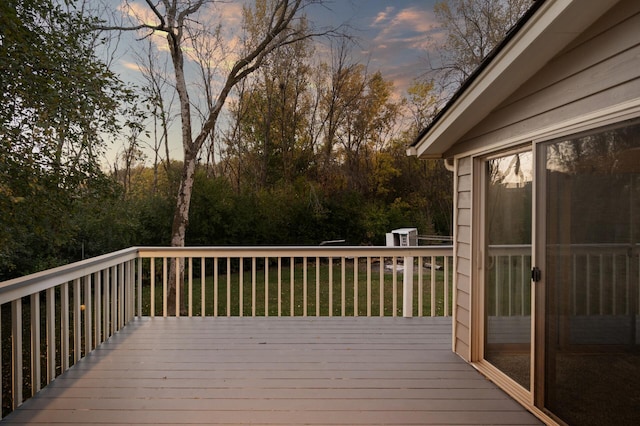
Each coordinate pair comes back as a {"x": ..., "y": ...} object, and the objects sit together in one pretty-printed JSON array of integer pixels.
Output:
[{"x": 272, "y": 28}]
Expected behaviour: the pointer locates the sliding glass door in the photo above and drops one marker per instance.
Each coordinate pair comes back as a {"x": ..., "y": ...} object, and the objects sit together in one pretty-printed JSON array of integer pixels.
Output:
[
  {"x": 592, "y": 236},
  {"x": 507, "y": 258}
]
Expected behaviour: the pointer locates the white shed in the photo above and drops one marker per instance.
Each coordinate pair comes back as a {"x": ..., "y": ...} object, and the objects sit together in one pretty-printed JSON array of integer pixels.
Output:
[{"x": 545, "y": 143}]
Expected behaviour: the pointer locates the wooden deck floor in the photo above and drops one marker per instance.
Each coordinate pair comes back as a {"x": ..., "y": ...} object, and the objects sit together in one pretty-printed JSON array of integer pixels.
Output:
[{"x": 284, "y": 371}]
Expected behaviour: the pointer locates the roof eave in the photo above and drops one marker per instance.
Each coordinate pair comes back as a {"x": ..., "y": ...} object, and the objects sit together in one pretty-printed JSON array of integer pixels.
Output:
[{"x": 541, "y": 36}]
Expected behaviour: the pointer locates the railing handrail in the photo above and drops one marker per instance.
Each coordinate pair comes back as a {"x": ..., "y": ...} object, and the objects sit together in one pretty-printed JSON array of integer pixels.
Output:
[
  {"x": 295, "y": 251},
  {"x": 40, "y": 281}
]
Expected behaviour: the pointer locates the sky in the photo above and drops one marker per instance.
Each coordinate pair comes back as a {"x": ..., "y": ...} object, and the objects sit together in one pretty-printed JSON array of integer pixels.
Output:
[{"x": 393, "y": 36}]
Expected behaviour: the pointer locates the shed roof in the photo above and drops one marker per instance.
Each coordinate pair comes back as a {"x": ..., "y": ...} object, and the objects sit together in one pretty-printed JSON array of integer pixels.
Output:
[{"x": 547, "y": 28}]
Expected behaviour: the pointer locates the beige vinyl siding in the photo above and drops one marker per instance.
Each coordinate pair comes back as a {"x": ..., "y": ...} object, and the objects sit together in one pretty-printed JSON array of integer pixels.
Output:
[
  {"x": 597, "y": 70},
  {"x": 463, "y": 259}
]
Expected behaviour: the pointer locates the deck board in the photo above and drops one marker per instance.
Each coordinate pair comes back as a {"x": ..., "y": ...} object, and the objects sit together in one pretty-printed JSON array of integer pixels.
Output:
[{"x": 284, "y": 371}]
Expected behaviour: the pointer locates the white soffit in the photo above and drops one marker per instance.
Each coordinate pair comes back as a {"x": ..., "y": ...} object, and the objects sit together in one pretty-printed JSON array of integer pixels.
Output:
[{"x": 544, "y": 35}]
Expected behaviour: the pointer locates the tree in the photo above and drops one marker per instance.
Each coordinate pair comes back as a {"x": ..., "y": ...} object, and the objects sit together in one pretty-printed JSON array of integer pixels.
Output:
[
  {"x": 270, "y": 119},
  {"x": 472, "y": 28},
  {"x": 268, "y": 26},
  {"x": 59, "y": 104}
]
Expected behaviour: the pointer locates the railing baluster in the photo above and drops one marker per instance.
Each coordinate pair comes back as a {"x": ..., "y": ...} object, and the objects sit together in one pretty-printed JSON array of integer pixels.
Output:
[
  {"x": 127, "y": 293},
  {"x": 588, "y": 285},
  {"x": 241, "y": 287},
  {"x": 51, "y": 334},
  {"x": 497, "y": 284},
  {"x": 355, "y": 286},
  {"x": 216, "y": 294},
  {"x": 368, "y": 286},
  {"x": 614, "y": 284},
  {"x": 106, "y": 304},
  {"x": 16, "y": 357},
  {"x": 395, "y": 286},
  {"x": 279, "y": 286},
  {"x": 524, "y": 281},
  {"x": 381, "y": 286},
  {"x": 510, "y": 285},
  {"x": 152, "y": 290},
  {"x": 229, "y": 285},
  {"x": 253, "y": 286},
  {"x": 330, "y": 261},
  {"x": 266, "y": 286},
  {"x": 139, "y": 288},
  {"x": 88, "y": 313},
  {"x": 190, "y": 297},
  {"x": 574, "y": 280},
  {"x": 317, "y": 286},
  {"x": 627, "y": 295},
  {"x": 203, "y": 281},
  {"x": 98, "y": 306},
  {"x": 35, "y": 344},
  {"x": 92, "y": 298},
  {"x": 601, "y": 286},
  {"x": 114, "y": 300},
  {"x": 77, "y": 326},
  {"x": 178, "y": 286},
  {"x": 304, "y": 286},
  {"x": 164, "y": 286},
  {"x": 433, "y": 272},
  {"x": 124, "y": 293},
  {"x": 343, "y": 286},
  {"x": 64, "y": 326},
  {"x": 292, "y": 273},
  {"x": 446, "y": 286},
  {"x": 421, "y": 286}
]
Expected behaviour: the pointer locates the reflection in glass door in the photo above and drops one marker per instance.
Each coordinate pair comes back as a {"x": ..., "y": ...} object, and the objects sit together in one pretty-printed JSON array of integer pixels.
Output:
[
  {"x": 507, "y": 280},
  {"x": 592, "y": 337}
]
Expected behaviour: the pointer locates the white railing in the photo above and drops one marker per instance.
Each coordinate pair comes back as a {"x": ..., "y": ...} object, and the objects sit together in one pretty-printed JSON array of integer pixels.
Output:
[
  {"x": 298, "y": 281},
  {"x": 604, "y": 278},
  {"x": 70, "y": 311},
  {"x": 52, "y": 319}
]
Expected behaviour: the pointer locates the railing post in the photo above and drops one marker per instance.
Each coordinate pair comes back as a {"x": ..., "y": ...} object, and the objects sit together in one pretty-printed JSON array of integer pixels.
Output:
[{"x": 407, "y": 288}]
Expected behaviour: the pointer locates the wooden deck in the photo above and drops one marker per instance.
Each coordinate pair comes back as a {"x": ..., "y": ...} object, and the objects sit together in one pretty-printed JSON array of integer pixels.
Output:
[{"x": 284, "y": 371}]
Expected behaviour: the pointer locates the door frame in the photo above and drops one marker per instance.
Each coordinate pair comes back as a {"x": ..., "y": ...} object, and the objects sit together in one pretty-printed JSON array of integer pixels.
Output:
[{"x": 523, "y": 395}]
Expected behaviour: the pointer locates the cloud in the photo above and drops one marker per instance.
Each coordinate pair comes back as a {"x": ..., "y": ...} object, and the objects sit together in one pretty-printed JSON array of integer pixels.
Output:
[
  {"x": 383, "y": 16},
  {"x": 400, "y": 40},
  {"x": 409, "y": 28}
]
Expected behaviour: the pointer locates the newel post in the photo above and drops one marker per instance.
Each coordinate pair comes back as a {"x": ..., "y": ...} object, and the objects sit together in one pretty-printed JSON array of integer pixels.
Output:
[{"x": 407, "y": 288}]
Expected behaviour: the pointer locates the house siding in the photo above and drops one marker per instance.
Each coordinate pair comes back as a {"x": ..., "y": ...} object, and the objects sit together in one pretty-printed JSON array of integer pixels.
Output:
[
  {"x": 599, "y": 69},
  {"x": 463, "y": 258}
]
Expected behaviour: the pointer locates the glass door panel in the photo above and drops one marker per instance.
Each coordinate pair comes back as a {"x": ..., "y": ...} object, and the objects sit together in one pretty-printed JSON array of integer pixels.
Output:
[
  {"x": 507, "y": 280},
  {"x": 592, "y": 353}
]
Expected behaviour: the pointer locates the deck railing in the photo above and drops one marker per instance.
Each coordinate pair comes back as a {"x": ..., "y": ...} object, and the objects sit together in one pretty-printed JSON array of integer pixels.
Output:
[
  {"x": 603, "y": 277},
  {"x": 298, "y": 281},
  {"x": 52, "y": 319}
]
